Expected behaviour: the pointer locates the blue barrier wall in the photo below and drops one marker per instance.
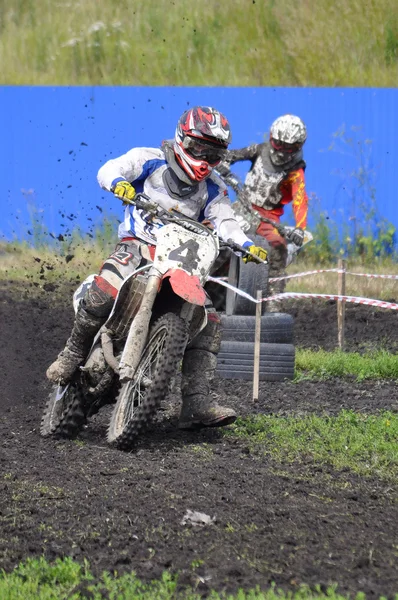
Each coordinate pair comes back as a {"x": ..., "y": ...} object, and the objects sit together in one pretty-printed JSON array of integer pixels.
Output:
[{"x": 53, "y": 140}]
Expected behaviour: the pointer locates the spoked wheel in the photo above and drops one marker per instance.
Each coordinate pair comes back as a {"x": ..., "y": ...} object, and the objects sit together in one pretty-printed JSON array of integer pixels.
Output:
[
  {"x": 140, "y": 398},
  {"x": 64, "y": 413}
]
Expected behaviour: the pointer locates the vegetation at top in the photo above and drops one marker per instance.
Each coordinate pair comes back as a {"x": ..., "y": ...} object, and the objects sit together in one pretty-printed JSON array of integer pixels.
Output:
[{"x": 213, "y": 43}]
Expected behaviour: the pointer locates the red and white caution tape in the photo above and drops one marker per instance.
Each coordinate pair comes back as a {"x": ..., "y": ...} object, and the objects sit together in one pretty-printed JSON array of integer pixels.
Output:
[
  {"x": 352, "y": 299},
  {"x": 304, "y": 274},
  {"x": 221, "y": 281},
  {"x": 299, "y": 295},
  {"x": 372, "y": 275}
]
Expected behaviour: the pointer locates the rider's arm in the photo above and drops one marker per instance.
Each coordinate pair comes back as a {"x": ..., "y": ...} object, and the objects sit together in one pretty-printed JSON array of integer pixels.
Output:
[
  {"x": 299, "y": 197},
  {"x": 132, "y": 166},
  {"x": 218, "y": 211},
  {"x": 223, "y": 219},
  {"x": 233, "y": 156},
  {"x": 247, "y": 153}
]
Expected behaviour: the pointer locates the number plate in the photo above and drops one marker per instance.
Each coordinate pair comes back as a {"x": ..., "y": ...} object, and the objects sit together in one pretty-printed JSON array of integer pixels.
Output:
[{"x": 177, "y": 248}]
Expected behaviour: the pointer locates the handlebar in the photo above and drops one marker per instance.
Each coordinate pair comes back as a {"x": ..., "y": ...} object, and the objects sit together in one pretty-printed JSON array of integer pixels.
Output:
[
  {"x": 233, "y": 180},
  {"x": 280, "y": 228},
  {"x": 143, "y": 202}
]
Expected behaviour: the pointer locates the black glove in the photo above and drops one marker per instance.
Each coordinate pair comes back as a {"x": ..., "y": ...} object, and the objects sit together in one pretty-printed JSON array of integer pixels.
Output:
[{"x": 297, "y": 236}]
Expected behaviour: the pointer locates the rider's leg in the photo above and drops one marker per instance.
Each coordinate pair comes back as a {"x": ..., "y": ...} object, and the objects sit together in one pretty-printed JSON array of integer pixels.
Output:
[
  {"x": 277, "y": 259},
  {"x": 95, "y": 308},
  {"x": 199, "y": 409},
  {"x": 216, "y": 291}
]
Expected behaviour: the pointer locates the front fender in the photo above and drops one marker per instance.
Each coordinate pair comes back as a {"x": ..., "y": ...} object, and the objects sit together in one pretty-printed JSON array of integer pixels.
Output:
[{"x": 186, "y": 286}]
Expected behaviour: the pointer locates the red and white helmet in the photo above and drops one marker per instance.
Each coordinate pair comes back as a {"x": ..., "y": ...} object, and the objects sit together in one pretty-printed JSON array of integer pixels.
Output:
[{"x": 201, "y": 139}]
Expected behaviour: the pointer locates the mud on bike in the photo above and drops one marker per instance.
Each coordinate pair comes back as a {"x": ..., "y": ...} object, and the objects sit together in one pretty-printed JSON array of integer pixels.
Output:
[{"x": 135, "y": 355}]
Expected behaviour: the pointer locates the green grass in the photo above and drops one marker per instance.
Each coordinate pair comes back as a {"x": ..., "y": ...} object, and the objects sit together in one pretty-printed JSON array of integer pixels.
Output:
[
  {"x": 36, "y": 579},
  {"x": 320, "y": 364},
  {"x": 365, "y": 444},
  {"x": 163, "y": 42}
]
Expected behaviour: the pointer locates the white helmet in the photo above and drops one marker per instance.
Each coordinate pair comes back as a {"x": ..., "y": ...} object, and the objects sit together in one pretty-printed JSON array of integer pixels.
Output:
[{"x": 287, "y": 136}]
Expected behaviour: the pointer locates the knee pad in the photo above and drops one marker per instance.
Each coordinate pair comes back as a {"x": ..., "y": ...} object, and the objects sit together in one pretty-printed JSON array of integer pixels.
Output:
[{"x": 98, "y": 302}]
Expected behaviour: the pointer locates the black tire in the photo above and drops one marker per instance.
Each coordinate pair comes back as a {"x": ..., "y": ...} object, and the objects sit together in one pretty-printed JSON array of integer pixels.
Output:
[
  {"x": 64, "y": 414},
  {"x": 249, "y": 278},
  {"x": 276, "y": 328},
  {"x": 236, "y": 361},
  {"x": 158, "y": 365}
]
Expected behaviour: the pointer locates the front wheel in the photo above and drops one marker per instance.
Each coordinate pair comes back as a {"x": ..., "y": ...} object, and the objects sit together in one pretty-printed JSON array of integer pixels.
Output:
[{"x": 139, "y": 399}]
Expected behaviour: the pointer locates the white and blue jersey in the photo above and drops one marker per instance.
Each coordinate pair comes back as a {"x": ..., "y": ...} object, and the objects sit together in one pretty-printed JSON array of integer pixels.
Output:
[{"x": 148, "y": 171}]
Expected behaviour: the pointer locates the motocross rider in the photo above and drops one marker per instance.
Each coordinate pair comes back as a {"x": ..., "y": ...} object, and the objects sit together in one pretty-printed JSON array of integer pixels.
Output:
[
  {"x": 276, "y": 178},
  {"x": 179, "y": 176}
]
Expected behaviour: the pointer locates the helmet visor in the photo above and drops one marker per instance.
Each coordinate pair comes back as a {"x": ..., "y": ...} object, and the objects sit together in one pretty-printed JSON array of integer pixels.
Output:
[
  {"x": 203, "y": 150},
  {"x": 280, "y": 146}
]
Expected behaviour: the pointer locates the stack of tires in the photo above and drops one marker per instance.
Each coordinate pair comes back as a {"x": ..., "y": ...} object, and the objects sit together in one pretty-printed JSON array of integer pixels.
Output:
[{"x": 236, "y": 356}]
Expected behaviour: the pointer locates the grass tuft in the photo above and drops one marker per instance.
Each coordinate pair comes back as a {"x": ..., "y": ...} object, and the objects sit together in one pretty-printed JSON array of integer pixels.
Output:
[
  {"x": 320, "y": 364},
  {"x": 366, "y": 444},
  {"x": 36, "y": 579}
]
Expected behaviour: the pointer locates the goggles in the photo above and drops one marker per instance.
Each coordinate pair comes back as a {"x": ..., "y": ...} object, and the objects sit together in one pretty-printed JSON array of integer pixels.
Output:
[
  {"x": 280, "y": 146},
  {"x": 202, "y": 150}
]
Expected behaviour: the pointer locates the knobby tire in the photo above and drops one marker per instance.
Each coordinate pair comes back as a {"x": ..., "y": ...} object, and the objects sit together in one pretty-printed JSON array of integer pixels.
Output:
[
  {"x": 66, "y": 420},
  {"x": 124, "y": 427}
]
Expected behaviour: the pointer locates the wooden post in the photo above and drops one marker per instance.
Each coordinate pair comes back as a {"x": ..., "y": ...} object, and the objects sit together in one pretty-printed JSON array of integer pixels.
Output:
[
  {"x": 233, "y": 280},
  {"x": 257, "y": 338},
  {"x": 341, "y": 303}
]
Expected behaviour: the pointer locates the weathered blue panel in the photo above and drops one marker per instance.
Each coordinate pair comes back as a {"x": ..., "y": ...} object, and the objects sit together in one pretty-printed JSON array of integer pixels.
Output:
[{"x": 53, "y": 140}]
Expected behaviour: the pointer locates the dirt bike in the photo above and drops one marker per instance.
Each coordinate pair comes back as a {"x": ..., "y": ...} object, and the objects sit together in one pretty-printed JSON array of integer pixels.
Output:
[
  {"x": 250, "y": 277},
  {"x": 138, "y": 351}
]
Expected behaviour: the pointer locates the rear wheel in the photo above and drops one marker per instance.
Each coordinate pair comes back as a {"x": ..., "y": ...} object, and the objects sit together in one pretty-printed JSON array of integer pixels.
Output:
[
  {"x": 139, "y": 399},
  {"x": 64, "y": 414}
]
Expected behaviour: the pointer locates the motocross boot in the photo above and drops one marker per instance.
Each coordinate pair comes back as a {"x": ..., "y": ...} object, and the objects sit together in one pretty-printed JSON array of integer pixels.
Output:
[
  {"x": 199, "y": 409},
  {"x": 84, "y": 329}
]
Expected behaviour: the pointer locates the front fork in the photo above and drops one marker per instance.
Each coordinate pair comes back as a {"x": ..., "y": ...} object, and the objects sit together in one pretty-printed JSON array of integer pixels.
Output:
[
  {"x": 139, "y": 328},
  {"x": 138, "y": 332}
]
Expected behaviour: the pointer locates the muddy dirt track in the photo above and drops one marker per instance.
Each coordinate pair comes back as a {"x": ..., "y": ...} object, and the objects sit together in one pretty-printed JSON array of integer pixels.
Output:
[{"x": 283, "y": 523}]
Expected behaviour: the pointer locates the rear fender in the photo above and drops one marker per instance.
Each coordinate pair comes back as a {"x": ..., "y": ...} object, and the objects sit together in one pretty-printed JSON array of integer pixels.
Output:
[{"x": 188, "y": 287}]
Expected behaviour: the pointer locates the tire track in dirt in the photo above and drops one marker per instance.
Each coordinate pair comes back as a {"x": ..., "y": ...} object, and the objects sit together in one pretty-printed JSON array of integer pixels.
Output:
[{"x": 274, "y": 522}]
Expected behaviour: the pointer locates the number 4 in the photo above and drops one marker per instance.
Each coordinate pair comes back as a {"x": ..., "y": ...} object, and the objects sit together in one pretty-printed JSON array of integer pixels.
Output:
[{"x": 186, "y": 254}]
